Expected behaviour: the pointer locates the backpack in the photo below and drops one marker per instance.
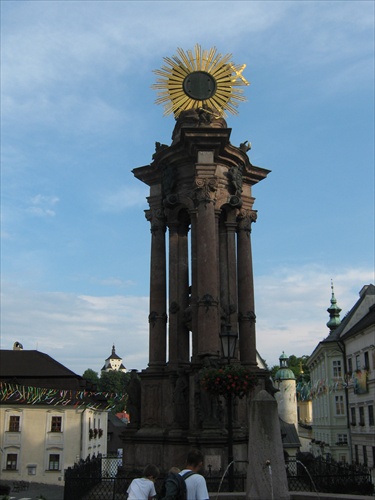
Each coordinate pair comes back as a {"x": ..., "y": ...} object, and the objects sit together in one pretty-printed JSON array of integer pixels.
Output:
[{"x": 174, "y": 486}]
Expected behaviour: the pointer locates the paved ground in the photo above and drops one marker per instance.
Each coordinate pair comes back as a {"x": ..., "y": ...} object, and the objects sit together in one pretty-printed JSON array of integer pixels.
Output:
[{"x": 35, "y": 490}]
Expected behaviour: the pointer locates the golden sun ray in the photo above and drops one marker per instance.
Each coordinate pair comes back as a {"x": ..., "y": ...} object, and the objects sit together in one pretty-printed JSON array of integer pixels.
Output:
[{"x": 200, "y": 78}]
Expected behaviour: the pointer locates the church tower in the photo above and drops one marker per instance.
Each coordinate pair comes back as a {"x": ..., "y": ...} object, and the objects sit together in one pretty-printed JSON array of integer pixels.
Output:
[
  {"x": 286, "y": 397},
  {"x": 201, "y": 274},
  {"x": 113, "y": 362}
]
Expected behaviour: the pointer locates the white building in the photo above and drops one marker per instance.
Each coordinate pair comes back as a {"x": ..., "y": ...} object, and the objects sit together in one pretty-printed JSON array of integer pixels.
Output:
[
  {"x": 49, "y": 419},
  {"x": 358, "y": 337},
  {"x": 113, "y": 363},
  {"x": 343, "y": 384}
]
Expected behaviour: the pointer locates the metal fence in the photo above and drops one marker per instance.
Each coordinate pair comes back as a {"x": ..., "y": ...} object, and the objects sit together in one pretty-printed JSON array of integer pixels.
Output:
[
  {"x": 329, "y": 477},
  {"x": 102, "y": 478}
]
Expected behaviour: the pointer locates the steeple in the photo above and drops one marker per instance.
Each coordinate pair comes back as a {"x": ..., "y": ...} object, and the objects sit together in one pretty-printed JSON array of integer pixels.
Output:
[{"x": 334, "y": 312}]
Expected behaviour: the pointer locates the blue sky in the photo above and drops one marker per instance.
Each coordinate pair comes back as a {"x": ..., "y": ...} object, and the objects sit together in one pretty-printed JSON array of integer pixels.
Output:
[{"x": 78, "y": 115}]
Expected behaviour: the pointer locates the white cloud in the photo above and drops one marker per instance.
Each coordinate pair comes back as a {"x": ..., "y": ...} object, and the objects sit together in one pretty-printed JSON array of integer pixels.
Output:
[
  {"x": 76, "y": 330},
  {"x": 292, "y": 302},
  {"x": 41, "y": 206},
  {"x": 118, "y": 199},
  {"x": 79, "y": 330}
]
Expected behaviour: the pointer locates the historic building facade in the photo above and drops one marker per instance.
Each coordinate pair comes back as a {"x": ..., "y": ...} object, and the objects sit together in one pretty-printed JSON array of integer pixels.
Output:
[
  {"x": 113, "y": 363},
  {"x": 49, "y": 418},
  {"x": 343, "y": 384}
]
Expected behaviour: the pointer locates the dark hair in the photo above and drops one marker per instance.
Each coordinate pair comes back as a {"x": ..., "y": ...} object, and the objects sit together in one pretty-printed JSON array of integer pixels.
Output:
[
  {"x": 194, "y": 458},
  {"x": 151, "y": 471}
]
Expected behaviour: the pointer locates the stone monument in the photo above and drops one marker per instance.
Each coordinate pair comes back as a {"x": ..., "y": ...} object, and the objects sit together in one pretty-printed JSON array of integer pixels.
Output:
[{"x": 201, "y": 276}]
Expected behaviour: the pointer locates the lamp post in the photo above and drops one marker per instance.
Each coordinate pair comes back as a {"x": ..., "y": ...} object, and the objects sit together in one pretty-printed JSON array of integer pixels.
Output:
[{"x": 228, "y": 345}]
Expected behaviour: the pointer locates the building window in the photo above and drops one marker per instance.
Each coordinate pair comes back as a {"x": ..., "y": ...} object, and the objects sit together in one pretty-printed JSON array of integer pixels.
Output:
[
  {"x": 14, "y": 423},
  {"x": 371, "y": 415},
  {"x": 358, "y": 362},
  {"x": 342, "y": 438},
  {"x": 350, "y": 365},
  {"x": 54, "y": 462},
  {"x": 11, "y": 461},
  {"x": 367, "y": 364},
  {"x": 364, "y": 455},
  {"x": 356, "y": 454},
  {"x": 339, "y": 402},
  {"x": 361, "y": 415},
  {"x": 56, "y": 424},
  {"x": 352, "y": 412},
  {"x": 336, "y": 368}
]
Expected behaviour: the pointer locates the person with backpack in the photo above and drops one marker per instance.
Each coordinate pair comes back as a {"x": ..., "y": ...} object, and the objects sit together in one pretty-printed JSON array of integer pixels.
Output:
[
  {"x": 187, "y": 484},
  {"x": 143, "y": 488}
]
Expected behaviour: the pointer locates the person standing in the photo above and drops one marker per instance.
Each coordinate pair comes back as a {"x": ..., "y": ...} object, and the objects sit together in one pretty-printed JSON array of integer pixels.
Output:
[
  {"x": 143, "y": 488},
  {"x": 195, "y": 483}
]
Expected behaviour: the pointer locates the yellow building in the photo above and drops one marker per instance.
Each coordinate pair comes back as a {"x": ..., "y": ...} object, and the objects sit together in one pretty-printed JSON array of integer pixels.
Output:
[{"x": 49, "y": 418}]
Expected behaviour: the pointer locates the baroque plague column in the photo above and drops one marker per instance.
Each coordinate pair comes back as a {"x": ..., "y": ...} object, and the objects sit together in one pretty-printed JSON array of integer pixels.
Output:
[{"x": 201, "y": 279}]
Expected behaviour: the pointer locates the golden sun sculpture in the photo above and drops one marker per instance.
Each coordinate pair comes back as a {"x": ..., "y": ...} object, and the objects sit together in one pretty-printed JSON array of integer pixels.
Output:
[{"x": 203, "y": 79}]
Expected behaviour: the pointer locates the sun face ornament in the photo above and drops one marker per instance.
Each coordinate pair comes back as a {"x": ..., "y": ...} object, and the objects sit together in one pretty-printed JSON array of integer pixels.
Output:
[{"x": 200, "y": 79}]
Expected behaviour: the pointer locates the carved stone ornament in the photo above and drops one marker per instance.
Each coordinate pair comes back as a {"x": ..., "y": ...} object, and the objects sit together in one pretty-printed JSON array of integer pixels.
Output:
[
  {"x": 235, "y": 201},
  {"x": 154, "y": 316},
  {"x": 245, "y": 219},
  {"x": 235, "y": 178},
  {"x": 205, "y": 190},
  {"x": 207, "y": 301},
  {"x": 159, "y": 147},
  {"x": 249, "y": 316},
  {"x": 157, "y": 219}
]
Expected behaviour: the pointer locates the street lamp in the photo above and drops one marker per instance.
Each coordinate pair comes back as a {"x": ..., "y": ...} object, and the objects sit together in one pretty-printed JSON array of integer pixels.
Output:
[{"x": 228, "y": 345}]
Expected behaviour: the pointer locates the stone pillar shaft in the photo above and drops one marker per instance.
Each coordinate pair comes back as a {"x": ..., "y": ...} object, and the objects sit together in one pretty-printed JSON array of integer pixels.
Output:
[
  {"x": 207, "y": 266},
  {"x": 246, "y": 306},
  {"x": 158, "y": 292}
]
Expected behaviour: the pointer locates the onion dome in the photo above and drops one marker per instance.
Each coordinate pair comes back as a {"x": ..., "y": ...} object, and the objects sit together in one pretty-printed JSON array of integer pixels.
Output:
[
  {"x": 334, "y": 312},
  {"x": 284, "y": 373}
]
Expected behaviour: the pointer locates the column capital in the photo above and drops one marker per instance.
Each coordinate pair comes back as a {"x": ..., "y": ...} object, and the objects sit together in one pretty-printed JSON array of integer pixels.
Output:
[
  {"x": 245, "y": 218},
  {"x": 205, "y": 190},
  {"x": 157, "y": 219}
]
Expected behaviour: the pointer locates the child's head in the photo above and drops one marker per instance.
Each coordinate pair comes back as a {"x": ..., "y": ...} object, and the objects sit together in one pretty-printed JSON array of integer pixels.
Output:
[
  {"x": 175, "y": 470},
  {"x": 151, "y": 471}
]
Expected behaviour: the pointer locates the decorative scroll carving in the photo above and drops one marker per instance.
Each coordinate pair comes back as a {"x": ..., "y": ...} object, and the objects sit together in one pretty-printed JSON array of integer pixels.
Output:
[
  {"x": 153, "y": 317},
  {"x": 249, "y": 316},
  {"x": 207, "y": 301},
  {"x": 245, "y": 219},
  {"x": 205, "y": 191},
  {"x": 157, "y": 219}
]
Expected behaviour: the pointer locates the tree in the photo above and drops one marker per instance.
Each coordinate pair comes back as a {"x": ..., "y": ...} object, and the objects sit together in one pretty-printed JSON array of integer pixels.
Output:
[
  {"x": 91, "y": 376},
  {"x": 115, "y": 382}
]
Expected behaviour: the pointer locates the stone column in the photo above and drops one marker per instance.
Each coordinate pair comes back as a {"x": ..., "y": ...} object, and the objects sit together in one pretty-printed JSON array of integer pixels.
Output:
[
  {"x": 232, "y": 275},
  {"x": 174, "y": 306},
  {"x": 183, "y": 293},
  {"x": 246, "y": 313},
  {"x": 158, "y": 290},
  {"x": 207, "y": 262}
]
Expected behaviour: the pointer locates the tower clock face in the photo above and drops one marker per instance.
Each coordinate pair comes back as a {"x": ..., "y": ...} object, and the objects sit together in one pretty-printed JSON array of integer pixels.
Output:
[{"x": 200, "y": 79}]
